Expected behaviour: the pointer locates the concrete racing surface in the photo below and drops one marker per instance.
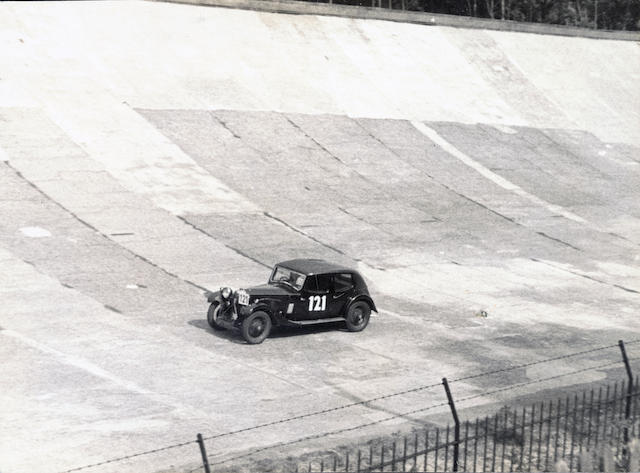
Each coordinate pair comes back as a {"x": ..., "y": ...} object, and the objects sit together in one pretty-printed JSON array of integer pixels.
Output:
[{"x": 151, "y": 151}]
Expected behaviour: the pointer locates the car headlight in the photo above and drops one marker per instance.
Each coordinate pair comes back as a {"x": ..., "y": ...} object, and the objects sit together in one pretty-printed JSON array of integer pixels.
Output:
[{"x": 226, "y": 292}]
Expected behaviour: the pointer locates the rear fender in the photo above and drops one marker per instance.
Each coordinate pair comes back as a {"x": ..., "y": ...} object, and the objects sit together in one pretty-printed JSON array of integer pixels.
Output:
[{"x": 365, "y": 298}]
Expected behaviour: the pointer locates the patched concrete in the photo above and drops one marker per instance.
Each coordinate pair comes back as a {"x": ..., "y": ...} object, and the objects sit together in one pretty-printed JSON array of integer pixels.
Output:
[{"x": 154, "y": 151}]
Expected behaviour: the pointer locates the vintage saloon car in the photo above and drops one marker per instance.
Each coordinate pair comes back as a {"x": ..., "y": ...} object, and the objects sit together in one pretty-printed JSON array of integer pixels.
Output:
[{"x": 299, "y": 292}]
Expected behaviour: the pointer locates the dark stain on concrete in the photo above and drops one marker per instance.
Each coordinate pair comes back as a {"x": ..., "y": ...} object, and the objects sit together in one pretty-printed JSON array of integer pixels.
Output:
[
  {"x": 112, "y": 309},
  {"x": 559, "y": 241}
]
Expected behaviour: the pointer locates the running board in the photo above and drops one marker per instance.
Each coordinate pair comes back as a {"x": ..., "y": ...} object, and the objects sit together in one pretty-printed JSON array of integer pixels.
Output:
[{"x": 316, "y": 321}]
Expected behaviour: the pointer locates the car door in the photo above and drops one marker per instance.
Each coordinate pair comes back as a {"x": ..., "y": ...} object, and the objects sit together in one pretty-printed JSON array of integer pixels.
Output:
[
  {"x": 304, "y": 300},
  {"x": 298, "y": 305},
  {"x": 342, "y": 285},
  {"x": 315, "y": 296}
]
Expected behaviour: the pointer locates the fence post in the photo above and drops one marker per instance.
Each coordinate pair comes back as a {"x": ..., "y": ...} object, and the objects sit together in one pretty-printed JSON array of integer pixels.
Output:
[
  {"x": 203, "y": 452},
  {"x": 627, "y": 410},
  {"x": 456, "y": 434}
]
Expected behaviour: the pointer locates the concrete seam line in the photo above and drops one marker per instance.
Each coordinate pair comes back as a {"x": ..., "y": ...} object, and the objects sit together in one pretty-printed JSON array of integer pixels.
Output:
[
  {"x": 492, "y": 176},
  {"x": 298, "y": 7},
  {"x": 99, "y": 232}
]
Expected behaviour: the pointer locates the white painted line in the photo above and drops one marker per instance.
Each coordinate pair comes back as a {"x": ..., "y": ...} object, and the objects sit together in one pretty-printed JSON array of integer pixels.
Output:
[
  {"x": 413, "y": 319},
  {"x": 492, "y": 176},
  {"x": 35, "y": 232},
  {"x": 388, "y": 312},
  {"x": 76, "y": 362}
]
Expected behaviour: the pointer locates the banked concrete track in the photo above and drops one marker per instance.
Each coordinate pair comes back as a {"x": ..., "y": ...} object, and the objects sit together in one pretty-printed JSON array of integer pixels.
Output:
[{"x": 152, "y": 150}]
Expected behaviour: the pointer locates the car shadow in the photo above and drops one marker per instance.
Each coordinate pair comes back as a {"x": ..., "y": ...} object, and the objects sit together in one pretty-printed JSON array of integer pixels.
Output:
[
  {"x": 285, "y": 332},
  {"x": 230, "y": 335},
  {"x": 277, "y": 332}
]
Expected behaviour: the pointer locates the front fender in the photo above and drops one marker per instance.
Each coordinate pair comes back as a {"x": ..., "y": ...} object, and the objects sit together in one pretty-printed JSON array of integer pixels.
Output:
[
  {"x": 213, "y": 296},
  {"x": 270, "y": 307},
  {"x": 251, "y": 308}
]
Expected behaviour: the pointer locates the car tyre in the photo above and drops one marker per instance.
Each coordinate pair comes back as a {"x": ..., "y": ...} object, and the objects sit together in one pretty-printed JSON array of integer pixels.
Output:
[
  {"x": 256, "y": 327},
  {"x": 212, "y": 315},
  {"x": 358, "y": 316}
]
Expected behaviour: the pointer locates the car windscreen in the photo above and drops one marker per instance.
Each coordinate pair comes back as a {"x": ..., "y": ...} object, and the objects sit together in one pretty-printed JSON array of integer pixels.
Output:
[{"x": 287, "y": 277}]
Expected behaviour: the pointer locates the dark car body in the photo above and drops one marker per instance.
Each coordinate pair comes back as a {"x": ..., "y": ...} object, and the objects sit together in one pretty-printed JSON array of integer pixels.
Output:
[{"x": 299, "y": 292}]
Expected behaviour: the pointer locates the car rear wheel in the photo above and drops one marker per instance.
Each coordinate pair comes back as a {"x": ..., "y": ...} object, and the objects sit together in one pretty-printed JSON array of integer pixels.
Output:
[
  {"x": 358, "y": 316},
  {"x": 256, "y": 327},
  {"x": 212, "y": 316}
]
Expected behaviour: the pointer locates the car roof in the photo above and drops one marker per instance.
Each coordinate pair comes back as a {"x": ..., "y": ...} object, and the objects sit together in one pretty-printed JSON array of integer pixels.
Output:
[{"x": 314, "y": 266}]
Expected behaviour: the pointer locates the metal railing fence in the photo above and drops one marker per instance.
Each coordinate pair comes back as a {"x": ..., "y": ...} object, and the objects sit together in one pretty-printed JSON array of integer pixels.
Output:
[{"x": 533, "y": 438}]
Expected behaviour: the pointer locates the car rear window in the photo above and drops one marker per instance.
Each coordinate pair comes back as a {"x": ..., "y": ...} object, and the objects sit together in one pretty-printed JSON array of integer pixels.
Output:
[{"x": 343, "y": 282}]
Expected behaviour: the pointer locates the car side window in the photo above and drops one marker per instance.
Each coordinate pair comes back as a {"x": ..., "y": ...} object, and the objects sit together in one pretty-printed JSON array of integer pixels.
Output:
[
  {"x": 311, "y": 284},
  {"x": 319, "y": 284},
  {"x": 343, "y": 282},
  {"x": 324, "y": 282}
]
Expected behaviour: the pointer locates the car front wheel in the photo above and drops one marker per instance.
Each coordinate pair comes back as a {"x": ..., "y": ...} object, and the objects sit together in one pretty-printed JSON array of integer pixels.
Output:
[
  {"x": 212, "y": 316},
  {"x": 256, "y": 327},
  {"x": 358, "y": 316}
]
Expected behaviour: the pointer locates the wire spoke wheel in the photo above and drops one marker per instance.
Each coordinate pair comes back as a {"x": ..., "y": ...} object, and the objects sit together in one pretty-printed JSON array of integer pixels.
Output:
[{"x": 212, "y": 316}]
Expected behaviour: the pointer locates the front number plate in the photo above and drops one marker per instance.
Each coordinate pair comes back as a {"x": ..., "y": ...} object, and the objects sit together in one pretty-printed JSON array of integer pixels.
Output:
[{"x": 243, "y": 297}]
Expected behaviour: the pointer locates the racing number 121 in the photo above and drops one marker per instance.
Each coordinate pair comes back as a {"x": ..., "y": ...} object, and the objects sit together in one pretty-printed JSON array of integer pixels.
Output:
[{"x": 317, "y": 303}]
